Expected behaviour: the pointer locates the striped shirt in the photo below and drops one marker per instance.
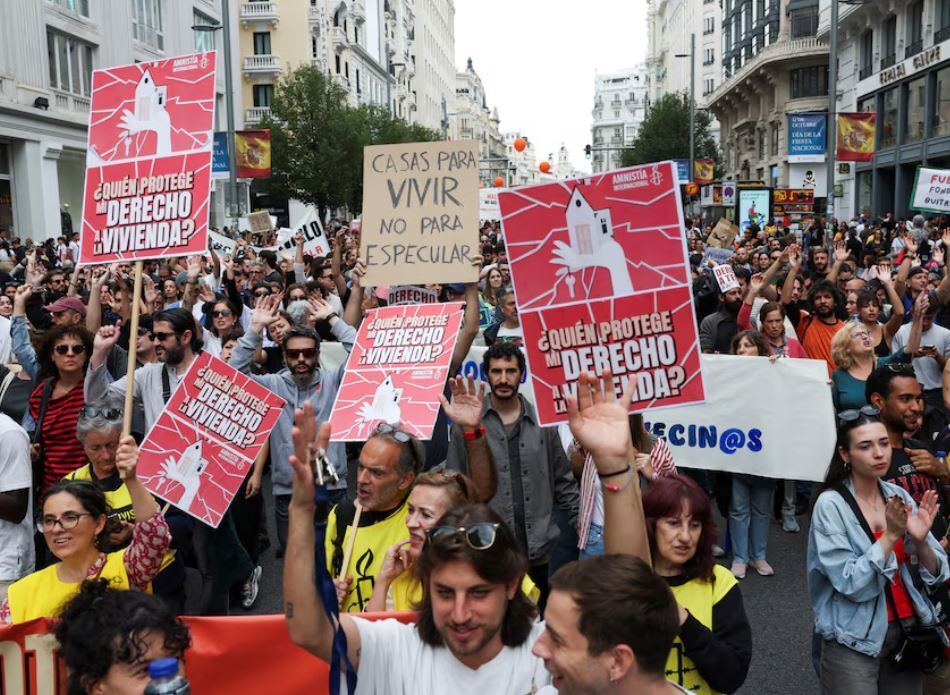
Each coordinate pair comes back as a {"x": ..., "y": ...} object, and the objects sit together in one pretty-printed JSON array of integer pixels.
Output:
[{"x": 62, "y": 452}]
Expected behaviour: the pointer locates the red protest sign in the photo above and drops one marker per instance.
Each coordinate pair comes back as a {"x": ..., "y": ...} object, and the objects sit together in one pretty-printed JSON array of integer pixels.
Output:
[
  {"x": 621, "y": 295},
  {"x": 148, "y": 162},
  {"x": 200, "y": 448},
  {"x": 397, "y": 371}
]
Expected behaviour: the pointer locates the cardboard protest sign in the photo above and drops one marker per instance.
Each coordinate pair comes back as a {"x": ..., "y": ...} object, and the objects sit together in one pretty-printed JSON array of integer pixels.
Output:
[
  {"x": 396, "y": 371},
  {"x": 148, "y": 161},
  {"x": 716, "y": 255},
  {"x": 931, "y": 191},
  {"x": 420, "y": 212},
  {"x": 410, "y": 294},
  {"x": 725, "y": 277},
  {"x": 723, "y": 234},
  {"x": 260, "y": 221},
  {"x": 764, "y": 436},
  {"x": 621, "y": 296},
  {"x": 202, "y": 445}
]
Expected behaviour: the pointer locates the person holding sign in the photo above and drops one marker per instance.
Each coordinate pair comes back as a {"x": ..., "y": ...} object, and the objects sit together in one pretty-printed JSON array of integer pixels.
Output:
[{"x": 74, "y": 522}]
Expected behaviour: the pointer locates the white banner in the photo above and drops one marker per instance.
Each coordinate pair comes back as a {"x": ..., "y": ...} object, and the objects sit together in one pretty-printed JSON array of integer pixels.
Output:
[
  {"x": 314, "y": 240},
  {"x": 931, "y": 190},
  {"x": 488, "y": 209},
  {"x": 774, "y": 420}
]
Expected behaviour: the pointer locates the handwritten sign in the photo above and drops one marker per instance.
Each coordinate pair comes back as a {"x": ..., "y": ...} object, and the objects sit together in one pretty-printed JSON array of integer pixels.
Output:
[
  {"x": 725, "y": 277},
  {"x": 420, "y": 212}
]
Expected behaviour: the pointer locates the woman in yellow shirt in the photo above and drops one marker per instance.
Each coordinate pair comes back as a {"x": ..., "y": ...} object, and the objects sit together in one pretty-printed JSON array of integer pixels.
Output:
[
  {"x": 433, "y": 494},
  {"x": 75, "y": 523}
]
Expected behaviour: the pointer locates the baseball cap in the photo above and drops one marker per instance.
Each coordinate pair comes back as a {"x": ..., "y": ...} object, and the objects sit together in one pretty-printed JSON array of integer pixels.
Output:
[
  {"x": 67, "y": 304},
  {"x": 456, "y": 288}
]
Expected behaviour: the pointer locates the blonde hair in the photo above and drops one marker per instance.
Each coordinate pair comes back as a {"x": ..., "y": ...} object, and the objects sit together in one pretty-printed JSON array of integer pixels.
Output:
[{"x": 841, "y": 345}]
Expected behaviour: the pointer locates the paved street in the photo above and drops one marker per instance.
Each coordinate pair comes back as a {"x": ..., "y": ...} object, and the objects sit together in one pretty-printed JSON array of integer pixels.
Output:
[{"x": 777, "y": 607}]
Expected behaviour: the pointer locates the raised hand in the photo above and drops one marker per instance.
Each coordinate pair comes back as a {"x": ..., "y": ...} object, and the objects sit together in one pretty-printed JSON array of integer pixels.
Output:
[
  {"x": 895, "y": 516},
  {"x": 359, "y": 270},
  {"x": 127, "y": 457},
  {"x": 307, "y": 437},
  {"x": 918, "y": 524},
  {"x": 265, "y": 311},
  {"x": 795, "y": 256},
  {"x": 938, "y": 254},
  {"x": 321, "y": 309},
  {"x": 911, "y": 244},
  {"x": 23, "y": 293},
  {"x": 194, "y": 267},
  {"x": 599, "y": 421},
  {"x": 106, "y": 337},
  {"x": 756, "y": 283},
  {"x": 841, "y": 252},
  {"x": 467, "y": 402}
]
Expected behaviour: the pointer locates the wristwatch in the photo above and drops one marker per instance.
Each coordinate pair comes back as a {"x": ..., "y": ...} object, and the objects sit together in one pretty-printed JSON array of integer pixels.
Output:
[{"x": 472, "y": 435}]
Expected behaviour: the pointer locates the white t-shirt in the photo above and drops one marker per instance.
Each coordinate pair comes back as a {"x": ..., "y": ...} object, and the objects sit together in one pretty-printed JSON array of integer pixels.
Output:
[
  {"x": 16, "y": 473},
  {"x": 928, "y": 371},
  {"x": 506, "y": 334},
  {"x": 394, "y": 660}
]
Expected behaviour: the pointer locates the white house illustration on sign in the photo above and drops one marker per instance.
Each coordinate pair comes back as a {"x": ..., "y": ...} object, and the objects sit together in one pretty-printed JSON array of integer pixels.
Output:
[
  {"x": 149, "y": 115},
  {"x": 592, "y": 245}
]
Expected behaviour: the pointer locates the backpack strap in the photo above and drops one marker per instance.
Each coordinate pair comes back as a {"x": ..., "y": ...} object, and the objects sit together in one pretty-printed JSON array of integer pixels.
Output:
[{"x": 345, "y": 513}]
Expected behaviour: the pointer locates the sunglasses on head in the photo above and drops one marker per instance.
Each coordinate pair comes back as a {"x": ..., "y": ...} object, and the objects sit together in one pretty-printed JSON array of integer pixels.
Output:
[
  {"x": 262, "y": 293},
  {"x": 480, "y": 536},
  {"x": 398, "y": 434},
  {"x": 161, "y": 336},
  {"x": 220, "y": 313},
  {"x": 96, "y": 411},
  {"x": 70, "y": 349},
  {"x": 854, "y": 414},
  {"x": 903, "y": 369},
  {"x": 296, "y": 353}
]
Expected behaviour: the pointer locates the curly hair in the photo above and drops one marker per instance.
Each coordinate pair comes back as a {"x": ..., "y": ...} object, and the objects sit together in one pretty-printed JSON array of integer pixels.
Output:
[
  {"x": 101, "y": 626},
  {"x": 51, "y": 338}
]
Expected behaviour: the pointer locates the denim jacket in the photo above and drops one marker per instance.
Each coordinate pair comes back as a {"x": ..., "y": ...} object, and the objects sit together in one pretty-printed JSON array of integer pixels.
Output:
[{"x": 847, "y": 574}]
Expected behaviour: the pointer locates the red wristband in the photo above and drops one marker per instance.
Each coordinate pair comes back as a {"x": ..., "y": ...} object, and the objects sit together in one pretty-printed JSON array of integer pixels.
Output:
[{"x": 472, "y": 435}]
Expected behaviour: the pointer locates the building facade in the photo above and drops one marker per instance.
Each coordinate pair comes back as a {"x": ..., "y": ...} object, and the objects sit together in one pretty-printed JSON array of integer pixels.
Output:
[
  {"x": 522, "y": 166},
  {"x": 48, "y": 50},
  {"x": 773, "y": 65},
  {"x": 472, "y": 119},
  {"x": 894, "y": 60},
  {"x": 434, "y": 61},
  {"x": 620, "y": 104}
]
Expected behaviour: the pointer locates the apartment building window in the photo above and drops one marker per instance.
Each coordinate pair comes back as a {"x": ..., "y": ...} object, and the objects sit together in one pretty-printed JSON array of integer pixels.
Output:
[
  {"x": 336, "y": 61},
  {"x": 709, "y": 56},
  {"x": 709, "y": 86},
  {"x": 866, "y": 54},
  {"x": 941, "y": 115},
  {"x": 709, "y": 25},
  {"x": 70, "y": 63},
  {"x": 204, "y": 40},
  {"x": 314, "y": 50},
  {"x": 262, "y": 43},
  {"x": 803, "y": 22},
  {"x": 808, "y": 82},
  {"x": 916, "y": 96},
  {"x": 942, "y": 21},
  {"x": 867, "y": 105},
  {"x": 263, "y": 95},
  {"x": 147, "y": 23},
  {"x": 889, "y": 42},
  {"x": 915, "y": 29},
  {"x": 887, "y": 118},
  {"x": 80, "y": 7},
  {"x": 359, "y": 89},
  {"x": 761, "y": 147},
  {"x": 773, "y": 140}
]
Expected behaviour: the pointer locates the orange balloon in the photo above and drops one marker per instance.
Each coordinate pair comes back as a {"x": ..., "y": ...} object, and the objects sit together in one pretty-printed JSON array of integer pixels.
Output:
[
  {"x": 520, "y": 144},
  {"x": 498, "y": 182},
  {"x": 545, "y": 167}
]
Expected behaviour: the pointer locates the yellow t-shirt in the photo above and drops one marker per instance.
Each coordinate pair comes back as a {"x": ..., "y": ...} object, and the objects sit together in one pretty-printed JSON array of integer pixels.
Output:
[
  {"x": 119, "y": 499},
  {"x": 376, "y": 534},
  {"x": 698, "y": 597}
]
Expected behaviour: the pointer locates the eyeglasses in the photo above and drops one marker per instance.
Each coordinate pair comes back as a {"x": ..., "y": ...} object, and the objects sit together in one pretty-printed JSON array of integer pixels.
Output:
[
  {"x": 902, "y": 368},
  {"x": 161, "y": 336},
  {"x": 66, "y": 522},
  {"x": 480, "y": 536},
  {"x": 297, "y": 353},
  {"x": 854, "y": 414},
  {"x": 222, "y": 313},
  {"x": 298, "y": 297},
  {"x": 95, "y": 411},
  {"x": 263, "y": 293},
  {"x": 70, "y": 349}
]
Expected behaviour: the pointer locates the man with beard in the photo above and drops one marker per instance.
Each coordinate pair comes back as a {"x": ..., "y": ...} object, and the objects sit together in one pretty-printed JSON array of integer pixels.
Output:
[
  {"x": 302, "y": 380},
  {"x": 534, "y": 474},
  {"x": 719, "y": 328},
  {"x": 815, "y": 330},
  {"x": 818, "y": 268}
]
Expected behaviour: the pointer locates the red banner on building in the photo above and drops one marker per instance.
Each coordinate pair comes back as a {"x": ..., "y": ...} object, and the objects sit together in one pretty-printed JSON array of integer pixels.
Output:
[
  {"x": 202, "y": 445},
  {"x": 397, "y": 371},
  {"x": 148, "y": 162},
  {"x": 855, "y": 137},
  {"x": 621, "y": 295},
  {"x": 253, "y": 154}
]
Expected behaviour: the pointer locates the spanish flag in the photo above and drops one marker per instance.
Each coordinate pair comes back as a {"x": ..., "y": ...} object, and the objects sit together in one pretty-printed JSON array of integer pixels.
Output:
[
  {"x": 855, "y": 141},
  {"x": 704, "y": 170},
  {"x": 253, "y": 153}
]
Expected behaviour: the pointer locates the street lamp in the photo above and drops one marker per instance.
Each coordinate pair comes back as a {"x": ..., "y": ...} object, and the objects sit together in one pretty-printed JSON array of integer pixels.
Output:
[
  {"x": 692, "y": 102},
  {"x": 232, "y": 200}
]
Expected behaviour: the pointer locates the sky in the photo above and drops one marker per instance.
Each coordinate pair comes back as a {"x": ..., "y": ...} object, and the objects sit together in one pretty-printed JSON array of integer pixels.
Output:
[{"x": 537, "y": 60}]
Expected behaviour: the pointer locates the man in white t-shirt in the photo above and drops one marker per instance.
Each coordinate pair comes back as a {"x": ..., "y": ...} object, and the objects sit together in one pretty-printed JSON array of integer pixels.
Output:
[
  {"x": 509, "y": 328},
  {"x": 931, "y": 358},
  {"x": 16, "y": 532},
  {"x": 475, "y": 627}
]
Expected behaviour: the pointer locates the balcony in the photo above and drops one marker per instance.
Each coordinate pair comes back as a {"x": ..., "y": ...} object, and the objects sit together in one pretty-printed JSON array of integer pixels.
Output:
[
  {"x": 865, "y": 72},
  {"x": 888, "y": 60},
  {"x": 261, "y": 65},
  {"x": 942, "y": 35},
  {"x": 315, "y": 14},
  {"x": 914, "y": 48},
  {"x": 338, "y": 36},
  {"x": 255, "y": 114},
  {"x": 259, "y": 13},
  {"x": 72, "y": 103}
]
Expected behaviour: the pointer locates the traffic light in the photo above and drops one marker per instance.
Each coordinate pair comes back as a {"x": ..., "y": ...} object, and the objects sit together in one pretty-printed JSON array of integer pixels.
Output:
[{"x": 587, "y": 150}]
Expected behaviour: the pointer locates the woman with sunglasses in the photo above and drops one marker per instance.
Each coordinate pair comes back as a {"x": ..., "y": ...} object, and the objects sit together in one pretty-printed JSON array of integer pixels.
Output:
[
  {"x": 75, "y": 524},
  {"x": 221, "y": 315},
  {"x": 57, "y": 400},
  {"x": 853, "y": 352},
  {"x": 433, "y": 494},
  {"x": 862, "y": 584}
]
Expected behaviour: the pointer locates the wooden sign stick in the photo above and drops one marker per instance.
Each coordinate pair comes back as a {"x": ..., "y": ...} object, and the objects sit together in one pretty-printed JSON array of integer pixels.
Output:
[
  {"x": 351, "y": 541},
  {"x": 133, "y": 338}
]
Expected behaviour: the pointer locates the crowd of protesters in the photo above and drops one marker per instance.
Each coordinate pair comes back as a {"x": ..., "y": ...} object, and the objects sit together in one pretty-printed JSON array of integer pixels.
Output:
[{"x": 478, "y": 529}]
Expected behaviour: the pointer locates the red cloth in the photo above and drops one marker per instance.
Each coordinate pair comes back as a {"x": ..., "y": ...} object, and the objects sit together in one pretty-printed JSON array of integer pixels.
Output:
[
  {"x": 905, "y": 609},
  {"x": 62, "y": 452}
]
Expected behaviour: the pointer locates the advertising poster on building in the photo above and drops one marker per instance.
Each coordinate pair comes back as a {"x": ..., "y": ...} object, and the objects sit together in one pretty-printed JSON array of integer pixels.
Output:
[
  {"x": 807, "y": 135},
  {"x": 600, "y": 272},
  {"x": 755, "y": 206},
  {"x": 148, "y": 161},
  {"x": 420, "y": 212},
  {"x": 931, "y": 190},
  {"x": 396, "y": 371},
  {"x": 220, "y": 163},
  {"x": 201, "y": 447}
]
